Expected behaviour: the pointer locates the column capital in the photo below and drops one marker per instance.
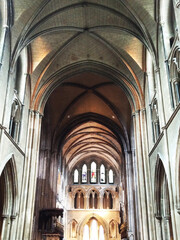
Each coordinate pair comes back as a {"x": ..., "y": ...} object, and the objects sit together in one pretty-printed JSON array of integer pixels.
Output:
[
  {"x": 13, "y": 217},
  {"x": 4, "y": 216},
  {"x": 158, "y": 217}
]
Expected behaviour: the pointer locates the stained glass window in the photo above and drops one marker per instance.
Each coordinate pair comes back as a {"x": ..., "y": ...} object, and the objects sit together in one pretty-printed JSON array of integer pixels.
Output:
[
  {"x": 111, "y": 177},
  {"x": 84, "y": 173},
  {"x": 76, "y": 176},
  {"x": 93, "y": 172},
  {"x": 102, "y": 174}
]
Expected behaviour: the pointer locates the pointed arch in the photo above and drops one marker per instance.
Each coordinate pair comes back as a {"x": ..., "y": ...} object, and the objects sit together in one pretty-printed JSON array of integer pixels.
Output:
[
  {"x": 9, "y": 187},
  {"x": 162, "y": 200},
  {"x": 99, "y": 219}
]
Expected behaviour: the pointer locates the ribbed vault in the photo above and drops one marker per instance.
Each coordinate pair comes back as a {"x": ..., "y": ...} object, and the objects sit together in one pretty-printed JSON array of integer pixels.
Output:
[
  {"x": 61, "y": 34},
  {"x": 89, "y": 140}
]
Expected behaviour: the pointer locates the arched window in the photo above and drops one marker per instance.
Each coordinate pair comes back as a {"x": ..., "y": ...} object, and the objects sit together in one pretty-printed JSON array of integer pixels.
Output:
[
  {"x": 163, "y": 209},
  {"x": 93, "y": 172},
  {"x": 102, "y": 174},
  {"x": 94, "y": 230},
  {"x": 76, "y": 176},
  {"x": 101, "y": 233},
  {"x": 111, "y": 176},
  {"x": 86, "y": 232},
  {"x": 84, "y": 173}
]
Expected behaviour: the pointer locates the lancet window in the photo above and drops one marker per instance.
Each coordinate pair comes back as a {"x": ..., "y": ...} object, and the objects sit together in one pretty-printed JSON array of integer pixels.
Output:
[
  {"x": 93, "y": 173},
  {"x": 76, "y": 176},
  {"x": 84, "y": 173},
  {"x": 102, "y": 174},
  {"x": 111, "y": 176}
]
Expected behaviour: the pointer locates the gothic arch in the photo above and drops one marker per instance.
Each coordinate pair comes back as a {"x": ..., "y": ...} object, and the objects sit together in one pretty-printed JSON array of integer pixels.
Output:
[
  {"x": 78, "y": 189},
  {"x": 132, "y": 92},
  {"x": 162, "y": 202},
  {"x": 73, "y": 228},
  {"x": 9, "y": 198},
  {"x": 113, "y": 229},
  {"x": 99, "y": 219}
]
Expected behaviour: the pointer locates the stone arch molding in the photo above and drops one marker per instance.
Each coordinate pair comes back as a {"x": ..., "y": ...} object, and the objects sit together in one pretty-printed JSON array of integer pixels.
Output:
[
  {"x": 73, "y": 228},
  {"x": 86, "y": 219},
  {"x": 8, "y": 171}
]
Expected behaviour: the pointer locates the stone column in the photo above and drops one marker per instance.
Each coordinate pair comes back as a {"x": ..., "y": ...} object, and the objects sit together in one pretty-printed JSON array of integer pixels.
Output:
[
  {"x": 114, "y": 201},
  {"x": 108, "y": 200},
  {"x": 141, "y": 181},
  {"x": 79, "y": 200},
  {"x": 4, "y": 226},
  {"x": 12, "y": 228},
  {"x": 30, "y": 176},
  {"x": 86, "y": 203},
  {"x": 147, "y": 175},
  {"x": 130, "y": 189},
  {"x": 100, "y": 201},
  {"x": 159, "y": 227},
  {"x": 73, "y": 202},
  {"x": 167, "y": 220},
  {"x": 2, "y": 41}
]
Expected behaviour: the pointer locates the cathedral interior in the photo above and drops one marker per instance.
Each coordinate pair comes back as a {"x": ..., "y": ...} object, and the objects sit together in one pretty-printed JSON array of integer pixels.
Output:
[{"x": 89, "y": 119}]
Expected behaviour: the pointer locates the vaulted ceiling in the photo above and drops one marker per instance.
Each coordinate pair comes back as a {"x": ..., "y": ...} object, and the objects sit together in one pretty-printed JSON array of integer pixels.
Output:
[{"x": 86, "y": 57}]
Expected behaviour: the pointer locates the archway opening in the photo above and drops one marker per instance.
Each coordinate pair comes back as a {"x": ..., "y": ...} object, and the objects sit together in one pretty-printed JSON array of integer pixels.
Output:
[
  {"x": 93, "y": 230},
  {"x": 163, "y": 206}
]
